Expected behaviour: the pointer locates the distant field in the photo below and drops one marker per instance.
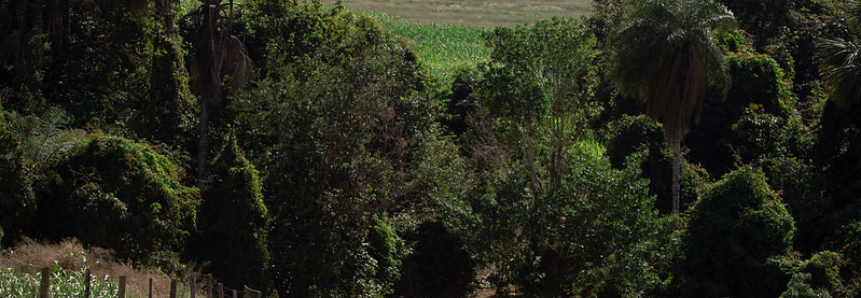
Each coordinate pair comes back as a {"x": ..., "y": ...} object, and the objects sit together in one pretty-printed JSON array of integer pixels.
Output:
[
  {"x": 442, "y": 48},
  {"x": 486, "y": 13}
]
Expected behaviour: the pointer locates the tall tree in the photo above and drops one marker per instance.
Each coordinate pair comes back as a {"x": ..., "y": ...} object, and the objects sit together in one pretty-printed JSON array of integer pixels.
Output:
[
  {"x": 667, "y": 55},
  {"x": 542, "y": 79}
]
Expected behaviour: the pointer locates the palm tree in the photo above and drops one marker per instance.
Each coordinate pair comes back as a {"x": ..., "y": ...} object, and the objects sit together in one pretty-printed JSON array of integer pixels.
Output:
[
  {"x": 665, "y": 54},
  {"x": 840, "y": 69},
  {"x": 217, "y": 59}
]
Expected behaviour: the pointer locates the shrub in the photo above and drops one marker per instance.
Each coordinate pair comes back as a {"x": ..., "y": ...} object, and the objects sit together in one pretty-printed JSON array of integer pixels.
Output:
[
  {"x": 732, "y": 231},
  {"x": 802, "y": 187},
  {"x": 17, "y": 200},
  {"x": 822, "y": 275},
  {"x": 119, "y": 194},
  {"x": 598, "y": 234},
  {"x": 847, "y": 242}
]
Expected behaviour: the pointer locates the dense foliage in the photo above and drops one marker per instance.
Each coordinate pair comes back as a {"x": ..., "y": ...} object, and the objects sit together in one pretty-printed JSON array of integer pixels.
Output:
[
  {"x": 331, "y": 162},
  {"x": 116, "y": 193},
  {"x": 740, "y": 221}
]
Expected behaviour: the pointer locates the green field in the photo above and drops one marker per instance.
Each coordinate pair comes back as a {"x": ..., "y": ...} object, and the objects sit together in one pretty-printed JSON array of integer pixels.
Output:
[
  {"x": 472, "y": 12},
  {"x": 441, "y": 48}
]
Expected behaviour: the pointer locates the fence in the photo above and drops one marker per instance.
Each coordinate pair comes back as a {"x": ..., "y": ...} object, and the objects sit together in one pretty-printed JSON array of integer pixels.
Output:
[{"x": 217, "y": 292}]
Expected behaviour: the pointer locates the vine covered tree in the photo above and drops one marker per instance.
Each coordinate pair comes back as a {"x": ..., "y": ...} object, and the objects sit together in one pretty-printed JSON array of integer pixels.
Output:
[
  {"x": 667, "y": 55},
  {"x": 233, "y": 211}
]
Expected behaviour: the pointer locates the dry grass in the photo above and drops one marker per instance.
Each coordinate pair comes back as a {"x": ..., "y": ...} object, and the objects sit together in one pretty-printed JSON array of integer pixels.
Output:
[{"x": 29, "y": 257}]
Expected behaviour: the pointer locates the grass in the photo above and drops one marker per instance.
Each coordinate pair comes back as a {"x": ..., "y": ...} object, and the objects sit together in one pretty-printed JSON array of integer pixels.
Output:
[{"x": 443, "y": 48}]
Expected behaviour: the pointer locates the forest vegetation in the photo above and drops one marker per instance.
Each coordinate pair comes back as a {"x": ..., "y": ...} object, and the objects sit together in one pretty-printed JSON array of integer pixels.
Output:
[{"x": 650, "y": 148}]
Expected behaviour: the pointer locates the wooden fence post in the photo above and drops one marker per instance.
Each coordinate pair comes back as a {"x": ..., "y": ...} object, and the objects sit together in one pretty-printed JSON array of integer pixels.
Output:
[
  {"x": 234, "y": 293},
  {"x": 122, "y": 290},
  {"x": 193, "y": 286},
  {"x": 209, "y": 286},
  {"x": 87, "y": 283},
  {"x": 172, "y": 288},
  {"x": 150, "y": 287},
  {"x": 45, "y": 286},
  {"x": 220, "y": 290}
]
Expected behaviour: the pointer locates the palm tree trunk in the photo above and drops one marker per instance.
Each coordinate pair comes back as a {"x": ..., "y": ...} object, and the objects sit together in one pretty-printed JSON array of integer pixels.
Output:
[
  {"x": 677, "y": 148},
  {"x": 677, "y": 165},
  {"x": 38, "y": 8},
  {"x": 203, "y": 144},
  {"x": 207, "y": 86}
]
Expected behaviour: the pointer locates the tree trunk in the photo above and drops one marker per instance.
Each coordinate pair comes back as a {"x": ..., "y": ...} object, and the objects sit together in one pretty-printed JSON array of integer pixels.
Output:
[
  {"x": 207, "y": 84},
  {"x": 203, "y": 144},
  {"x": 530, "y": 161},
  {"x": 677, "y": 165}
]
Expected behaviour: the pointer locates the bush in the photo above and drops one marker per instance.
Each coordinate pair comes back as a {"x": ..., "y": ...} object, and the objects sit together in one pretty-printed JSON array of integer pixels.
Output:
[
  {"x": 233, "y": 222},
  {"x": 847, "y": 242},
  {"x": 823, "y": 275},
  {"x": 17, "y": 200},
  {"x": 597, "y": 235},
  {"x": 802, "y": 187},
  {"x": 119, "y": 194},
  {"x": 732, "y": 232}
]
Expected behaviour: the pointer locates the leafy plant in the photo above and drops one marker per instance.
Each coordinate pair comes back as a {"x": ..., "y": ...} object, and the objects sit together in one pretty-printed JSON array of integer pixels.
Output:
[{"x": 64, "y": 283}]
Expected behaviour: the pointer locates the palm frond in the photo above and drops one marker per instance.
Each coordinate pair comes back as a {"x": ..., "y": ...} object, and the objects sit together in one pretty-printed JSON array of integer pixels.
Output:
[
  {"x": 235, "y": 63},
  {"x": 206, "y": 63},
  {"x": 666, "y": 55},
  {"x": 44, "y": 138},
  {"x": 840, "y": 69}
]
